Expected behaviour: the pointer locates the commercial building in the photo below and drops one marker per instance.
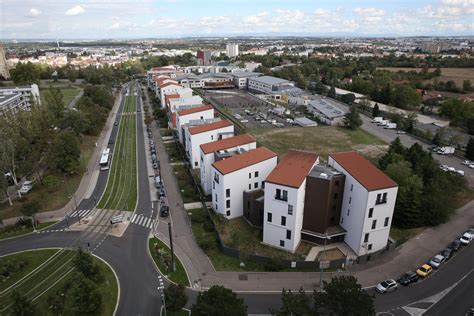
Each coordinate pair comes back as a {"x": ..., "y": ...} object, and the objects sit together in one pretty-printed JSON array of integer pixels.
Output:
[
  {"x": 327, "y": 111},
  {"x": 233, "y": 177},
  {"x": 183, "y": 117},
  {"x": 268, "y": 84},
  {"x": 219, "y": 150},
  {"x": 204, "y": 57},
  {"x": 232, "y": 50},
  {"x": 195, "y": 136},
  {"x": 368, "y": 202},
  {"x": 285, "y": 189},
  {"x": 241, "y": 78}
]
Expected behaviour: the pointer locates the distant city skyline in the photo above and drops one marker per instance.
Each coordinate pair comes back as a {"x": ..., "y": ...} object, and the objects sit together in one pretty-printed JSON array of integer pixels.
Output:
[{"x": 101, "y": 19}]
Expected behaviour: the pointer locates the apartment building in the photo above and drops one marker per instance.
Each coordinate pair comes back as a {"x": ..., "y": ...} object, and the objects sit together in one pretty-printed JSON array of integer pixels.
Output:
[
  {"x": 27, "y": 95},
  {"x": 174, "y": 104},
  {"x": 219, "y": 150},
  {"x": 232, "y": 50},
  {"x": 285, "y": 189},
  {"x": 185, "y": 116},
  {"x": 368, "y": 202},
  {"x": 234, "y": 176},
  {"x": 204, "y": 57},
  {"x": 195, "y": 136}
]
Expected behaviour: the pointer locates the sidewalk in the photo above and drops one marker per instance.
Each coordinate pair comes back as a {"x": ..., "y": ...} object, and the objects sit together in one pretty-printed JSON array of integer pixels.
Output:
[{"x": 89, "y": 178}]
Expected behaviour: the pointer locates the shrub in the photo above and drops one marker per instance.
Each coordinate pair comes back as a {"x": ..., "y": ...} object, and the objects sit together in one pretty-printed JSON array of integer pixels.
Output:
[{"x": 51, "y": 183}]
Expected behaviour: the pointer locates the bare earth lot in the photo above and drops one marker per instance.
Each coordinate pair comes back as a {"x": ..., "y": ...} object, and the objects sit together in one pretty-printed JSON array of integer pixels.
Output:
[{"x": 455, "y": 74}]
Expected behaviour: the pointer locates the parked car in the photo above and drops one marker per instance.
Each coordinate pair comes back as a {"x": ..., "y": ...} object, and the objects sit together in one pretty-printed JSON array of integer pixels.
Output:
[
  {"x": 409, "y": 277},
  {"x": 116, "y": 123},
  {"x": 111, "y": 141},
  {"x": 447, "y": 253},
  {"x": 161, "y": 193},
  {"x": 437, "y": 261},
  {"x": 465, "y": 239},
  {"x": 468, "y": 162},
  {"x": 401, "y": 132},
  {"x": 157, "y": 182},
  {"x": 424, "y": 270},
  {"x": 164, "y": 211},
  {"x": 26, "y": 187},
  {"x": 471, "y": 231},
  {"x": 455, "y": 245},
  {"x": 386, "y": 286},
  {"x": 155, "y": 166}
]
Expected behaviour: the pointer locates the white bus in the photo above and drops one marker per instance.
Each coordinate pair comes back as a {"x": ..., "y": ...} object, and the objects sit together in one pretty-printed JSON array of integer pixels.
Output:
[{"x": 105, "y": 159}]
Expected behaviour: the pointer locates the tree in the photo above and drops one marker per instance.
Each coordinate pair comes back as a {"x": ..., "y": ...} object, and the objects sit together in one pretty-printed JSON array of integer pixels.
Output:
[
  {"x": 352, "y": 118},
  {"x": 344, "y": 296},
  {"x": 65, "y": 152},
  {"x": 85, "y": 297},
  {"x": 54, "y": 101},
  {"x": 25, "y": 73},
  {"x": 51, "y": 183},
  {"x": 348, "y": 98},
  {"x": 410, "y": 121},
  {"x": 332, "y": 92},
  {"x": 218, "y": 301},
  {"x": 438, "y": 137},
  {"x": 470, "y": 149},
  {"x": 175, "y": 297},
  {"x": 375, "y": 110},
  {"x": 22, "y": 306},
  {"x": 75, "y": 121},
  {"x": 296, "y": 304},
  {"x": 84, "y": 265}
]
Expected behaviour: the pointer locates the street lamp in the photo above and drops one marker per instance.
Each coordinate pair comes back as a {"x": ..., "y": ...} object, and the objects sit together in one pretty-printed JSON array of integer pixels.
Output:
[
  {"x": 326, "y": 237},
  {"x": 190, "y": 220}
]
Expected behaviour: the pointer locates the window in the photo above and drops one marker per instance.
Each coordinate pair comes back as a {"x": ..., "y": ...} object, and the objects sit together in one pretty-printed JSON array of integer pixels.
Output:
[
  {"x": 196, "y": 164},
  {"x": 288, "y": 234},
  {"x": 216, "y": 177},
  {"x": 371, "y": 212},
  {"x": 227, "y": 193},
  {"x": 215, "y": 195},
  {"x": 227, "y": 213},
  {"x": 255, "y": 185},
  {"x": 213, "y": 185},
  {"x": 250, "y": 186},
  {"x": 369, "y": 247},
  {"x": 269, "y": 217},
  {"x": 256, "y": 174},
  {"x": 250, "y": 175},
  {"x": 212, "y": 137},
  {"x": 352, "y": 187},
  {"x": 350, "y": 200},
  {"x": 282, "y": 243},
  {"x": 281, "y": 195},
  {"x": 374, "y": 223},
  {"x": 385, "y": 224},
  {"x": 381, "y": 198},
  {"x": 283, "y": 221},
  {"x": 366, "y": 238},
  {"x": 348, "y": 211},
  {"x": 227, "y": 204},
  {"x": 263, "y": 184},
  {"x": 217, "y": 207},
  {"x": 342, "y": 220},
  {"x": 290, "y": 209}
]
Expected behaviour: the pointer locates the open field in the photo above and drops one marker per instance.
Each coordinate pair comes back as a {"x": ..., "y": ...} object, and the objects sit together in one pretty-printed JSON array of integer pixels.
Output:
[
  {"x": 121, "y": 190},
  {"x": 455, "y": 74},
  {"x": 319, "y": 139},
  {"x": 68, "y": 94},
  {"x": 46, "y": 273},
  {"x": 62, "y": 195}
]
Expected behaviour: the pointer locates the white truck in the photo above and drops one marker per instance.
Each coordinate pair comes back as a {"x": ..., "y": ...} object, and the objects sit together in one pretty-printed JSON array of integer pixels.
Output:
[
  {"x": 446, "y": 150},
  {"x": 391, "y": 126},
  {"x": 383, "y": 123},
  {"x": 377, "y": 119}
]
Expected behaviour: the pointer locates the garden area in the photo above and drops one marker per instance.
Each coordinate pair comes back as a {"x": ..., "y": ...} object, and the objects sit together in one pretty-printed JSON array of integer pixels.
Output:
[
  {"x": 186, "y": 185},
  {"x": 22, "y": 227}
]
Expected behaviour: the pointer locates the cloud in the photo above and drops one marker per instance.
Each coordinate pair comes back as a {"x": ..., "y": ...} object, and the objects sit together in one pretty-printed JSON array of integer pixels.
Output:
[
  {"x": 369, "y": 11},
  {"x": 34, "y": 13},
  {"x": 75, "y": 10}
]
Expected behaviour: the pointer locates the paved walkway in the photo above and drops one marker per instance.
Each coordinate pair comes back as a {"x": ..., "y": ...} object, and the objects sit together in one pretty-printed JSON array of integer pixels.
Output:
[{"x": 89, "y": 178}]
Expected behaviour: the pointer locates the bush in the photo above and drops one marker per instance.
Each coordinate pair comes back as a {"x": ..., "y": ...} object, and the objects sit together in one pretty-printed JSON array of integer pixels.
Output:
[
  {"x": 51, "y": 183},
  {"x": 207, "y": 241},
  {"x": 24, "y": 222}
]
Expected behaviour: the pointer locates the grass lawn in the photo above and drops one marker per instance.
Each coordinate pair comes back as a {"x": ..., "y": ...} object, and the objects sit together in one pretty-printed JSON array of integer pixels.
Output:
[
  {"x": 121, "y": 190},
  {"x": 319, "y": 139},
  {"x": 185, "y": 183},
  {"x": 48, "y": 281},
  {"x": 68, "y": 94},
  {"x": 173, "y": 152},
  {"x": 182, "y": 312},
  {"x": 161, "y": 254},
  {"x": 13, "y": 231},
  {"x": 63, "y": 193},
  {"x": 402, "y": 235}
]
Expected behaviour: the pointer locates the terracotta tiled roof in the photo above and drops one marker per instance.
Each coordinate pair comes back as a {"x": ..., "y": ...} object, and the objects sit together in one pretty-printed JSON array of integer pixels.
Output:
[
  {"x": 164, "y": 85},
  {"x": 293, "y": 168},
  {"x": 363, "y": 171},
  {"x": 226, "y": 143},
  {"x": 195, "y": 110},
  {"x": 244, "y": 160},
  {"x": 209, "y": 127}
]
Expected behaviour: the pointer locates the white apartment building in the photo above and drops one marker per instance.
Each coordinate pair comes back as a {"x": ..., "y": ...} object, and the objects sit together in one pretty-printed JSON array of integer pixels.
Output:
[
  {"x": 28, "y": 95},
  {"x": 219, "y": 150},
  {"x": 168, "y": 88},
  {"x": 267, "y": 84},
  {"x": 285, "y": 189},
  {"x": 195, "y": 136},
  {"x": 368, "y": 202},
  {"x": 183, "y": 117},
  {"x": 174, "y": 103},
  {"x": 240, "y": 173},
  {"x": 232, "y": 50}
]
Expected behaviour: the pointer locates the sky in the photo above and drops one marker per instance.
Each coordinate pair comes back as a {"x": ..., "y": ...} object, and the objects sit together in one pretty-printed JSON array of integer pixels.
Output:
[{"x": 102, "y": 19}]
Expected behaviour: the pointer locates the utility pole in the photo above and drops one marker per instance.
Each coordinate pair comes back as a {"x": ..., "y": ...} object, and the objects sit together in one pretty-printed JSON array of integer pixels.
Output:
[
  {"x": 161, "y": 288},
  {"x": 171, "y": 247}
]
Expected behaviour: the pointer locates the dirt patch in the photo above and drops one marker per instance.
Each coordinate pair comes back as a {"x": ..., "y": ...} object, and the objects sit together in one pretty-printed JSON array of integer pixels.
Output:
[{"x": 330, "y": 254}]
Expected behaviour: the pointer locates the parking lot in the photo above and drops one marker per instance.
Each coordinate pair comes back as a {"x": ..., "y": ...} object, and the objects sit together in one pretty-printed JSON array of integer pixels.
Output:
[{"x": 249, "y": 110}]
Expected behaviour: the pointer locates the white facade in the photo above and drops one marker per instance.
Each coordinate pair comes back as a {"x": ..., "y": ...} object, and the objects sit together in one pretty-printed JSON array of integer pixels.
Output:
[
  {"x": 232, "y": 50},
  {"x": 185, "y": 119},
  {"x": 367, "y": 222},
  {"x": 283, "y": 217},
  {"x": 168, "y": 89},
  {"x": 208, "y": 159},
  {"x": 228, "y": 189},
  {"x": 267, "y": 84},
  {"x": 174, "y": 104},
  {"x": 194, "y": 141},
  {"x": 29, "y": 94}
]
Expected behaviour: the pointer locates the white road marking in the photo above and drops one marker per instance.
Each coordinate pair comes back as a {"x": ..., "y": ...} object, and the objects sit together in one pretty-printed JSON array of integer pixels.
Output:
[
  {"x": 146, "y": 222},
  {"x": 133, "y": 218},
  {"x": 141, "y": 220},
  {"x": 151, "y": 224}
]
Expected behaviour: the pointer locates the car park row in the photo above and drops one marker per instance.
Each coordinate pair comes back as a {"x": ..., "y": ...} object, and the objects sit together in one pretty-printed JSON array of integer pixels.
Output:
[{"x": 426, "y": 269}]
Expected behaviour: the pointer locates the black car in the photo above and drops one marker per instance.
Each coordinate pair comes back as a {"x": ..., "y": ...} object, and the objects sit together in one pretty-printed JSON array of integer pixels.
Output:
[
  {"x": 447, "y": 253},
  {"x": 408, "y": 278},
  {"x": 111, "y": 141},
  {"x": 455, "y": 245},
  {"x": 164, "y": 211},
  {"x": 116, "y": 123},
  {"x": 161, "y": 193}
]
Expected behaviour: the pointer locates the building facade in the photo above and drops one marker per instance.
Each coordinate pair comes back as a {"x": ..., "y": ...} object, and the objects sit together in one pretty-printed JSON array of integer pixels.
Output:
[
  {"x": 195, "y": 113},
  {"x": 232, "y": 50}
]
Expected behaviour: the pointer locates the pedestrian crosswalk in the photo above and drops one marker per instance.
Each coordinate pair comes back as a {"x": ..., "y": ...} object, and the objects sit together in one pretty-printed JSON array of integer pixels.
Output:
[
  {"x": 80, "y": 213},
  {"x": 142, "y": 220}
]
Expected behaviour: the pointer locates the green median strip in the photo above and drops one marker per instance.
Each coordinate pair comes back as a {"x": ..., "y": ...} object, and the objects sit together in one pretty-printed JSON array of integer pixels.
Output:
[{"x": 161, "y": 254}]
